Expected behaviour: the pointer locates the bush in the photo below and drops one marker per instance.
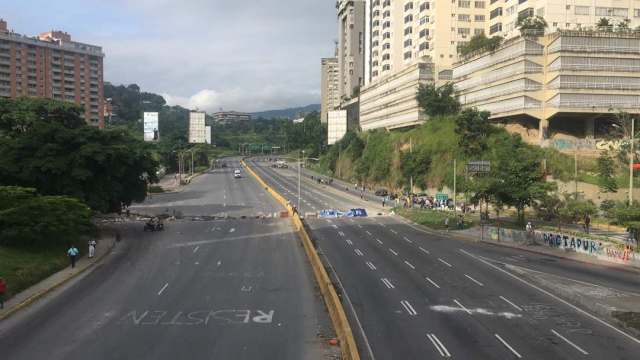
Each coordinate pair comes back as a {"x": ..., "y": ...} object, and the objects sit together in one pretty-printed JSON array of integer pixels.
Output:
[
  {"x": 576, "y": 210},
  {"x": 627, "y": 214},
  {"x": 156, "y": 189},
  {"x": 45, "y": 221}
]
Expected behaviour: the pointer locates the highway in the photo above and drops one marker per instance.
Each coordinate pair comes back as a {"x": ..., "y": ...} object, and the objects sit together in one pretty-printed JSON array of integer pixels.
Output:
[
  {"x": 414, "y": 294},
  {"x": 236, "y": 288}
]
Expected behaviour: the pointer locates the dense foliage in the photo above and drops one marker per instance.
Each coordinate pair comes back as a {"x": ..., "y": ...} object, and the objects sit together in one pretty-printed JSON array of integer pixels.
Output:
[
  {"x": 57, "y": 155},
  {"x": 479, "y": 42},
  {"x": 28, "y": 220},
  {"x": 438, "y": 100}
]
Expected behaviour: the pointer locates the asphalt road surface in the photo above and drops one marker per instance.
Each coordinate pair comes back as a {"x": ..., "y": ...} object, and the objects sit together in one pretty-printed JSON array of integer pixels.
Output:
[
  {"x": 416, "y": 295},
  {"x": 226, "y": 289}
]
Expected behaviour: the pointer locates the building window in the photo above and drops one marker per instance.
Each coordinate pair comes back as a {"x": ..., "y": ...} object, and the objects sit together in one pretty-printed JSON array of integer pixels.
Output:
[
  {"x": 408, "y": 30},
  {"x": 636, "y": 12},
  {"x": 464, "y": 31},
  {"x": 479, "y": 4},
  {"x": 408, "y": 43},
  {"x": 609, "y": 11},
  {"x": 408, "y": 19},
  {"x": 408, "y": 6},
  {"x": 386, "y": 14},
  {"x": 479, "y": 18},
  {"x": 386, "y": 35},
  {"x": 478, "y": 31},
  {"x": 386, "y": 67},
  {"x": 495, "y": 28},
  {"x": 424, "y": 20},
  {"x": 464, "y": 4},
  {"x": 424, "y": 6},
  {"x": 582, "y": 10},
  {"x": 407, "y": 55},
  {"x": 495, "y": 13},
  {"x": 386, "y": 24},
  {"x": 424, "y": 33},
  {"x": 386, "y": 57},
  {"x": 386, "y": 46},
  {"x": 464, "y": 17},
  {"x": 424, "y": 46}
]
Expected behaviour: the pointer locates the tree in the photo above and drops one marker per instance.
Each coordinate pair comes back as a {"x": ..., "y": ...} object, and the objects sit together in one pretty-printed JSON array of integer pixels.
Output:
[
  {"x": 480, "y": 42},
  {"x": 104, "y": 168},
  {"x": 624, "y": 25},
  {"x": 415, "y": 164},
  {"x": 44, "y": 221},
  {"x": 531, "y": 25},
  {"x": 604, "y": 25},
  {"x": 519, "y": 179},
  {"x": 21, "y": 115},
  {"x": 473, "y": 128},
  {"x": 576, "y": 210},
  {"x": 606, "y": 174},
  {"x": 438, "y": 100}
]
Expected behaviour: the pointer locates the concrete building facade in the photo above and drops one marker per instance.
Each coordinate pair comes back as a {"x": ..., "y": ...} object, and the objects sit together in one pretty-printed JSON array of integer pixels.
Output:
[
  {"x": 330, "y": 82},
  {"x": 351, "y": 47},
  {"x": 560, "y": 14},
  {"x": 53, "y": 66},
  {"x": 567, "y": 83},
  {"x": 197, "y": 128},
  {"x": 225, "y": 117}
]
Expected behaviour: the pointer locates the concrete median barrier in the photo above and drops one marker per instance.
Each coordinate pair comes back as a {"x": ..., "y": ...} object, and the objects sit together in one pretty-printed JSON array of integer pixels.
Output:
[{"x": 332, "y": 301}]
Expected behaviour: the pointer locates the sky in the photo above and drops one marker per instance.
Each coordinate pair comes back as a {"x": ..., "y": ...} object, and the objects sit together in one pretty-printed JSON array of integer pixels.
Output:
[{"x": 249, "y": 55}]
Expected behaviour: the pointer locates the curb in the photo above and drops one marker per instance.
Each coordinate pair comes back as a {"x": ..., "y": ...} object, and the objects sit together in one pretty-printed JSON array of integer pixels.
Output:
[
  {"x": 28, "y": 301},
  {"x": 578, "y": 258},
  {"x": 338, "y": 316}
]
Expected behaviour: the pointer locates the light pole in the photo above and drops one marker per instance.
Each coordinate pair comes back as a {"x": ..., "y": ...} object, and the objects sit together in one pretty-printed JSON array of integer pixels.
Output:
[
  {"x": 631, "y": 158},
  {"x": 191, "y": 168},
  {"x": 299, "y": 179}
]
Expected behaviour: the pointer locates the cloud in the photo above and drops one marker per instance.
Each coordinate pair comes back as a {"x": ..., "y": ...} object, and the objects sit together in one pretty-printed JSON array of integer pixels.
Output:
[{"x": 210, "y": 100}]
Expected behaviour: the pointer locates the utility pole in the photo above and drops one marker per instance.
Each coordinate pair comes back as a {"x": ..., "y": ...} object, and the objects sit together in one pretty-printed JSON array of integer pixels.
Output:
[
  {"x": 192, "y": 162},
  {"x": 575, "y": 168},
  {"x": 299, "y": 166},
  {"x": 411, "y": 179},
  {"x": 631, "y": 158},
  {"x": 454, "y": 187}
]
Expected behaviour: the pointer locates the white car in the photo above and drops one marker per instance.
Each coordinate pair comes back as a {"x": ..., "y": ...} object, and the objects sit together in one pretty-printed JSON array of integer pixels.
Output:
[{"x": 237, "y": 174}]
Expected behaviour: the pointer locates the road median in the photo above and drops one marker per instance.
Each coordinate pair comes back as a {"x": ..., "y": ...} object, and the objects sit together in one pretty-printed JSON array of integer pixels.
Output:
[{"x": 332, "y": 301}]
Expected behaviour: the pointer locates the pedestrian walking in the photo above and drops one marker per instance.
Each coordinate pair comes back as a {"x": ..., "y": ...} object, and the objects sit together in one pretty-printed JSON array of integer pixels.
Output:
[
  {"x": 446, "y": 223},
  {"x": 384, "y": 201},
  {"x": 73, "y": 253},
  {"x": 92, "y": 248},
  {"x": 529, "y": 227},
  {"x": 3, "y": 291},
  {"x": 587, "y": 222}
]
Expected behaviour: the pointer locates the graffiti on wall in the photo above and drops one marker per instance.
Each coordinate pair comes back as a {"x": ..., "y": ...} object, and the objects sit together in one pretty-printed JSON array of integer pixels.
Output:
[
  {"x": 586, "y": 144},
  {"x": 567, "y": 242}
]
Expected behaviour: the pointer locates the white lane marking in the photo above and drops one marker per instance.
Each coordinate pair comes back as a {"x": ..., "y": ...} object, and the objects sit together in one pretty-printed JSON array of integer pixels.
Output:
[
  {"x": 358, "y": 252},
  {"x": 383, "y": 225},
  {"x": 196, "y": 249},
  {"x": 569, "y": 342},
  {"x": 368, "y": 233},
  {"x": 393, "y": 231},
  {"x": 508, "y": 346},
  {"x": 232, "y": 229},
  {"x": 424, "y": 250},
  {"x": 444, "y": 262},
  {"x": 438, "y": 345},
  {"x": 371, "y": 266},
  {"x": 219, "y": 263},
  {"x": 334, "y": 226},
  {"x": 462, "y": 306},
  {"x": 387, "y": 283},
  {"x": 349, "y": 242},
  {"x": 379, "y": 241},
  {"x": 432, "y": 283},
  {"x": 600, "y": 321},
  {"x": 197, "y": 263},
  {"x": 341, "y": 233},
  {"x": 510, "y": 303},
  {"x": 408, "y": 307},
  {"x": 163, "y": 288},
  {"x": 393, "y": 252},
  {"x": 474, "y": 280},
  {"x": 407, "y": 240},
  {"x": 410, "y": 265},
  {"x": 359, "y": 226}
]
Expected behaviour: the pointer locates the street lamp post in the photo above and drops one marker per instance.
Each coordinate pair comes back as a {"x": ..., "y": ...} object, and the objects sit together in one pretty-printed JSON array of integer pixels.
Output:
[{"x": 299, "y": 179}]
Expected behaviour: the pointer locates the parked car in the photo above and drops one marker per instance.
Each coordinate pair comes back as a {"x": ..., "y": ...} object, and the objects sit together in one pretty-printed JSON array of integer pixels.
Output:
[
  {"x": 237, "y": 174},
  {"x": 381, "y": 192}
]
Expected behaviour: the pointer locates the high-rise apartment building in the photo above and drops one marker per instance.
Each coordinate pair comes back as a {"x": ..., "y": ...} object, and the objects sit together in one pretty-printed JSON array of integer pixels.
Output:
[
  {"x": 52, "y": 66},
  {"x": 560, "y": 14},
  {"x": 351, "y": 47},
  {"x": 401, "y": 34},
  {"x": 329, "y": 87},
  {"x": 226, "y": 117}
]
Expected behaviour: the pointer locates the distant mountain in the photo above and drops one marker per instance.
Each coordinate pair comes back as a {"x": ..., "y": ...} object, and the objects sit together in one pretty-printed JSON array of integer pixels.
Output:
[{"x": 290, "y": 113}]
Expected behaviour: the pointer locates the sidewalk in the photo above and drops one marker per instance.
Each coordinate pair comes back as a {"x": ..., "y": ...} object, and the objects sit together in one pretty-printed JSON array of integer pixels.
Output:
[
  {"x": 170, "y": 182},
  {"x": 37, "y": 291}
]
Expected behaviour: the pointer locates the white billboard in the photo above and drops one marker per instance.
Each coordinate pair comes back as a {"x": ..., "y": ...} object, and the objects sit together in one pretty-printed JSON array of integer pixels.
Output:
[
  {"x": 197, "y": 128},
  {"x": 151, "y": 130},
  {"x": 207, "y": 133},
  {"x": 336, "y": 126}
]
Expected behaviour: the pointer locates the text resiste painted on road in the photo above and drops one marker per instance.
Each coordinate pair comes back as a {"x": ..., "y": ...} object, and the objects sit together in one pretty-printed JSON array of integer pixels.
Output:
[{"x": 196, "y": 318}]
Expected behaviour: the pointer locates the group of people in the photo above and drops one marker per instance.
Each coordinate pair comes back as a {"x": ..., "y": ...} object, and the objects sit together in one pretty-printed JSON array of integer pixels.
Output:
[{"x": 73, "y": 253}]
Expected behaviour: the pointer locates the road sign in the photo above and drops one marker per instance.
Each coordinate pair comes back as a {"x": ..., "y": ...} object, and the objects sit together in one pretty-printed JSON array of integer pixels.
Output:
[{"x": 479, "y": 167}]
